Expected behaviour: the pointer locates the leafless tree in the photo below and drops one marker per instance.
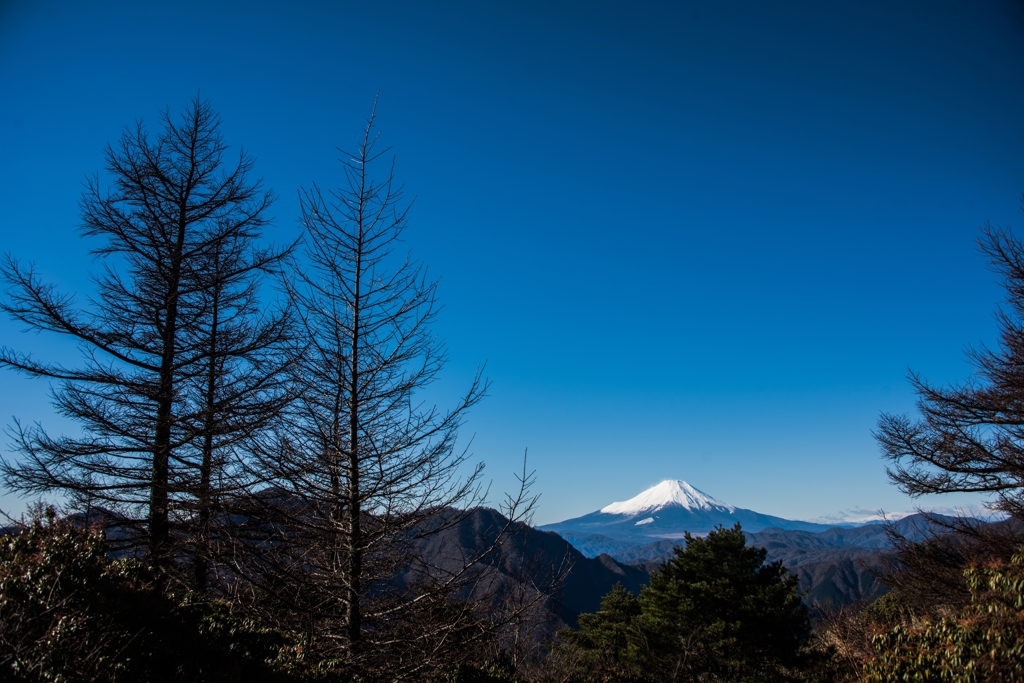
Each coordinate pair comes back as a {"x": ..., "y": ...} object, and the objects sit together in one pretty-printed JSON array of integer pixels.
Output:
[
  {"x": 970, "y": 437},
  {"x": 172, "y": 350},
  {"x": 364, "y": 472},
  {"x": 240, "y": 391}
]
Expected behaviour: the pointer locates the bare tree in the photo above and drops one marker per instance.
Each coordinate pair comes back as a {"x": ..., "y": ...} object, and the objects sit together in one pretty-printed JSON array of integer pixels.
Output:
[
  {"x": 364, "y": 472},
  {"x": 970, "y": 437},
  {"x": 175, "y": 228},
  {"x": 239, "y": 392}
]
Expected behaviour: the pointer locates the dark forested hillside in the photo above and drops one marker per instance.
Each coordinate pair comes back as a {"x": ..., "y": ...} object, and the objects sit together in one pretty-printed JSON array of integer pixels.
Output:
[
  {"x": 837, "y": 566},
  {"x": 559, "y": 579}
]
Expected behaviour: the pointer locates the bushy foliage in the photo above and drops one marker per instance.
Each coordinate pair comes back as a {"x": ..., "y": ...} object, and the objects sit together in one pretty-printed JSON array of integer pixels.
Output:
[
  {"x": 496, "y": 670},
  {"x": 840, "y": 643},
  {"x": 714, "y": 612},
  {"x": 69, "y": 613},
  {"x": 58, "y": 595},
  {"x": 985, "y": 643}
]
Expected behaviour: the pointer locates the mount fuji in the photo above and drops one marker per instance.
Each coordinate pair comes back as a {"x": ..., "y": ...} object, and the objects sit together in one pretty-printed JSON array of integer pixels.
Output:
[{"x": 665, "y": 511}]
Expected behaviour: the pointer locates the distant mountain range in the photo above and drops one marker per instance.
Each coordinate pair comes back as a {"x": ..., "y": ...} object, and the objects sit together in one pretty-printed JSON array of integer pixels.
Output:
[
  {"x": 626, "y": 542},
  {"x": 617, "y": 544},
  {"x": 665, "y": 511},
  {"x": 837, "y": 564}
]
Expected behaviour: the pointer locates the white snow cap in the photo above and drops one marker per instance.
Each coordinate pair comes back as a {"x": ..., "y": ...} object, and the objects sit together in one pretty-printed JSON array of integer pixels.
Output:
[{"x": 675, "y": 492}]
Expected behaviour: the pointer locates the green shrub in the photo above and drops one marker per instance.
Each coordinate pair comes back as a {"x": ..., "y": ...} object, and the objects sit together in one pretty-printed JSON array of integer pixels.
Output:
[
  {"x": 69, "y": 613},
  {"x": 985, "y": 643}
]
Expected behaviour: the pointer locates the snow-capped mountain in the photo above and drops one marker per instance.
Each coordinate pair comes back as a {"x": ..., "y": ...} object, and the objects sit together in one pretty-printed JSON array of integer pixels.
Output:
[
  {"x": 670, "y": 492},
  {"x": 666, "y": 511}
]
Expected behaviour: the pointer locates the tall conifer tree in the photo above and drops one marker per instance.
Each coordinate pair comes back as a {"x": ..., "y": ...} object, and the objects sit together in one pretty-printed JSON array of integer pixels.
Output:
[
  {"x": 364, "y": 472},
  {"x": 174, "y": 233}
]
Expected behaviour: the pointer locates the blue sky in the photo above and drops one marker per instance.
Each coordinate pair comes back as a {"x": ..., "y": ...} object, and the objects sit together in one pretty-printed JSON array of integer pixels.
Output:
[{"x": 697, "y": 240}]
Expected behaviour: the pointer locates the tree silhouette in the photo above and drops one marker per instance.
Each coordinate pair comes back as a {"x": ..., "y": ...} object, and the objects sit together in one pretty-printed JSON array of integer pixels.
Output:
[
  {"x": 363, "y": 471},
  {"x": 175, "y": 230},
  {"x": 970, "y": 437}
]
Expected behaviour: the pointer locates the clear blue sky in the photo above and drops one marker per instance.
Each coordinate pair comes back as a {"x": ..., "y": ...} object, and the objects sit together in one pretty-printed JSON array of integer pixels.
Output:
[{"x": 700, "y": 240}]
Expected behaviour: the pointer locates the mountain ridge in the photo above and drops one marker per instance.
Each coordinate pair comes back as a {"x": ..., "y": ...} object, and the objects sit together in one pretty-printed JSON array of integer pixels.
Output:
[{"x": 667, "y": 510}]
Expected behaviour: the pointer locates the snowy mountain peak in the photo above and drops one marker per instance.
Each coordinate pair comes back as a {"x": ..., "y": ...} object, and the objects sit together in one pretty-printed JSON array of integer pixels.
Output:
[{"x": 671, "y": 492}]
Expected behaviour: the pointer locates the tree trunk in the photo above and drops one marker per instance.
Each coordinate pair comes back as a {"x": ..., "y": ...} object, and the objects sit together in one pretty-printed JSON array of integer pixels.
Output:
[
  {"x": 205, "y": 501},
  {"x": 355, "y": 556},
  {"x": 159, "y": 524}
]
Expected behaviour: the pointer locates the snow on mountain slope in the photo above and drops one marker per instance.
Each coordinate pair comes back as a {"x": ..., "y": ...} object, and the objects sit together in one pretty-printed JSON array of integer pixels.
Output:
[
  {"x": 666, "y": 511},
  {"x": 674, "y": 492}
]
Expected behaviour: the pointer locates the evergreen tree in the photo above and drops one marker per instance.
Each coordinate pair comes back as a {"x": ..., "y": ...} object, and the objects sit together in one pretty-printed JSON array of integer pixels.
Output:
[
  {"x": 606, "y": 642},
  {"x": 717, "y": 611},
  {"x": 714, "y": 612}
]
